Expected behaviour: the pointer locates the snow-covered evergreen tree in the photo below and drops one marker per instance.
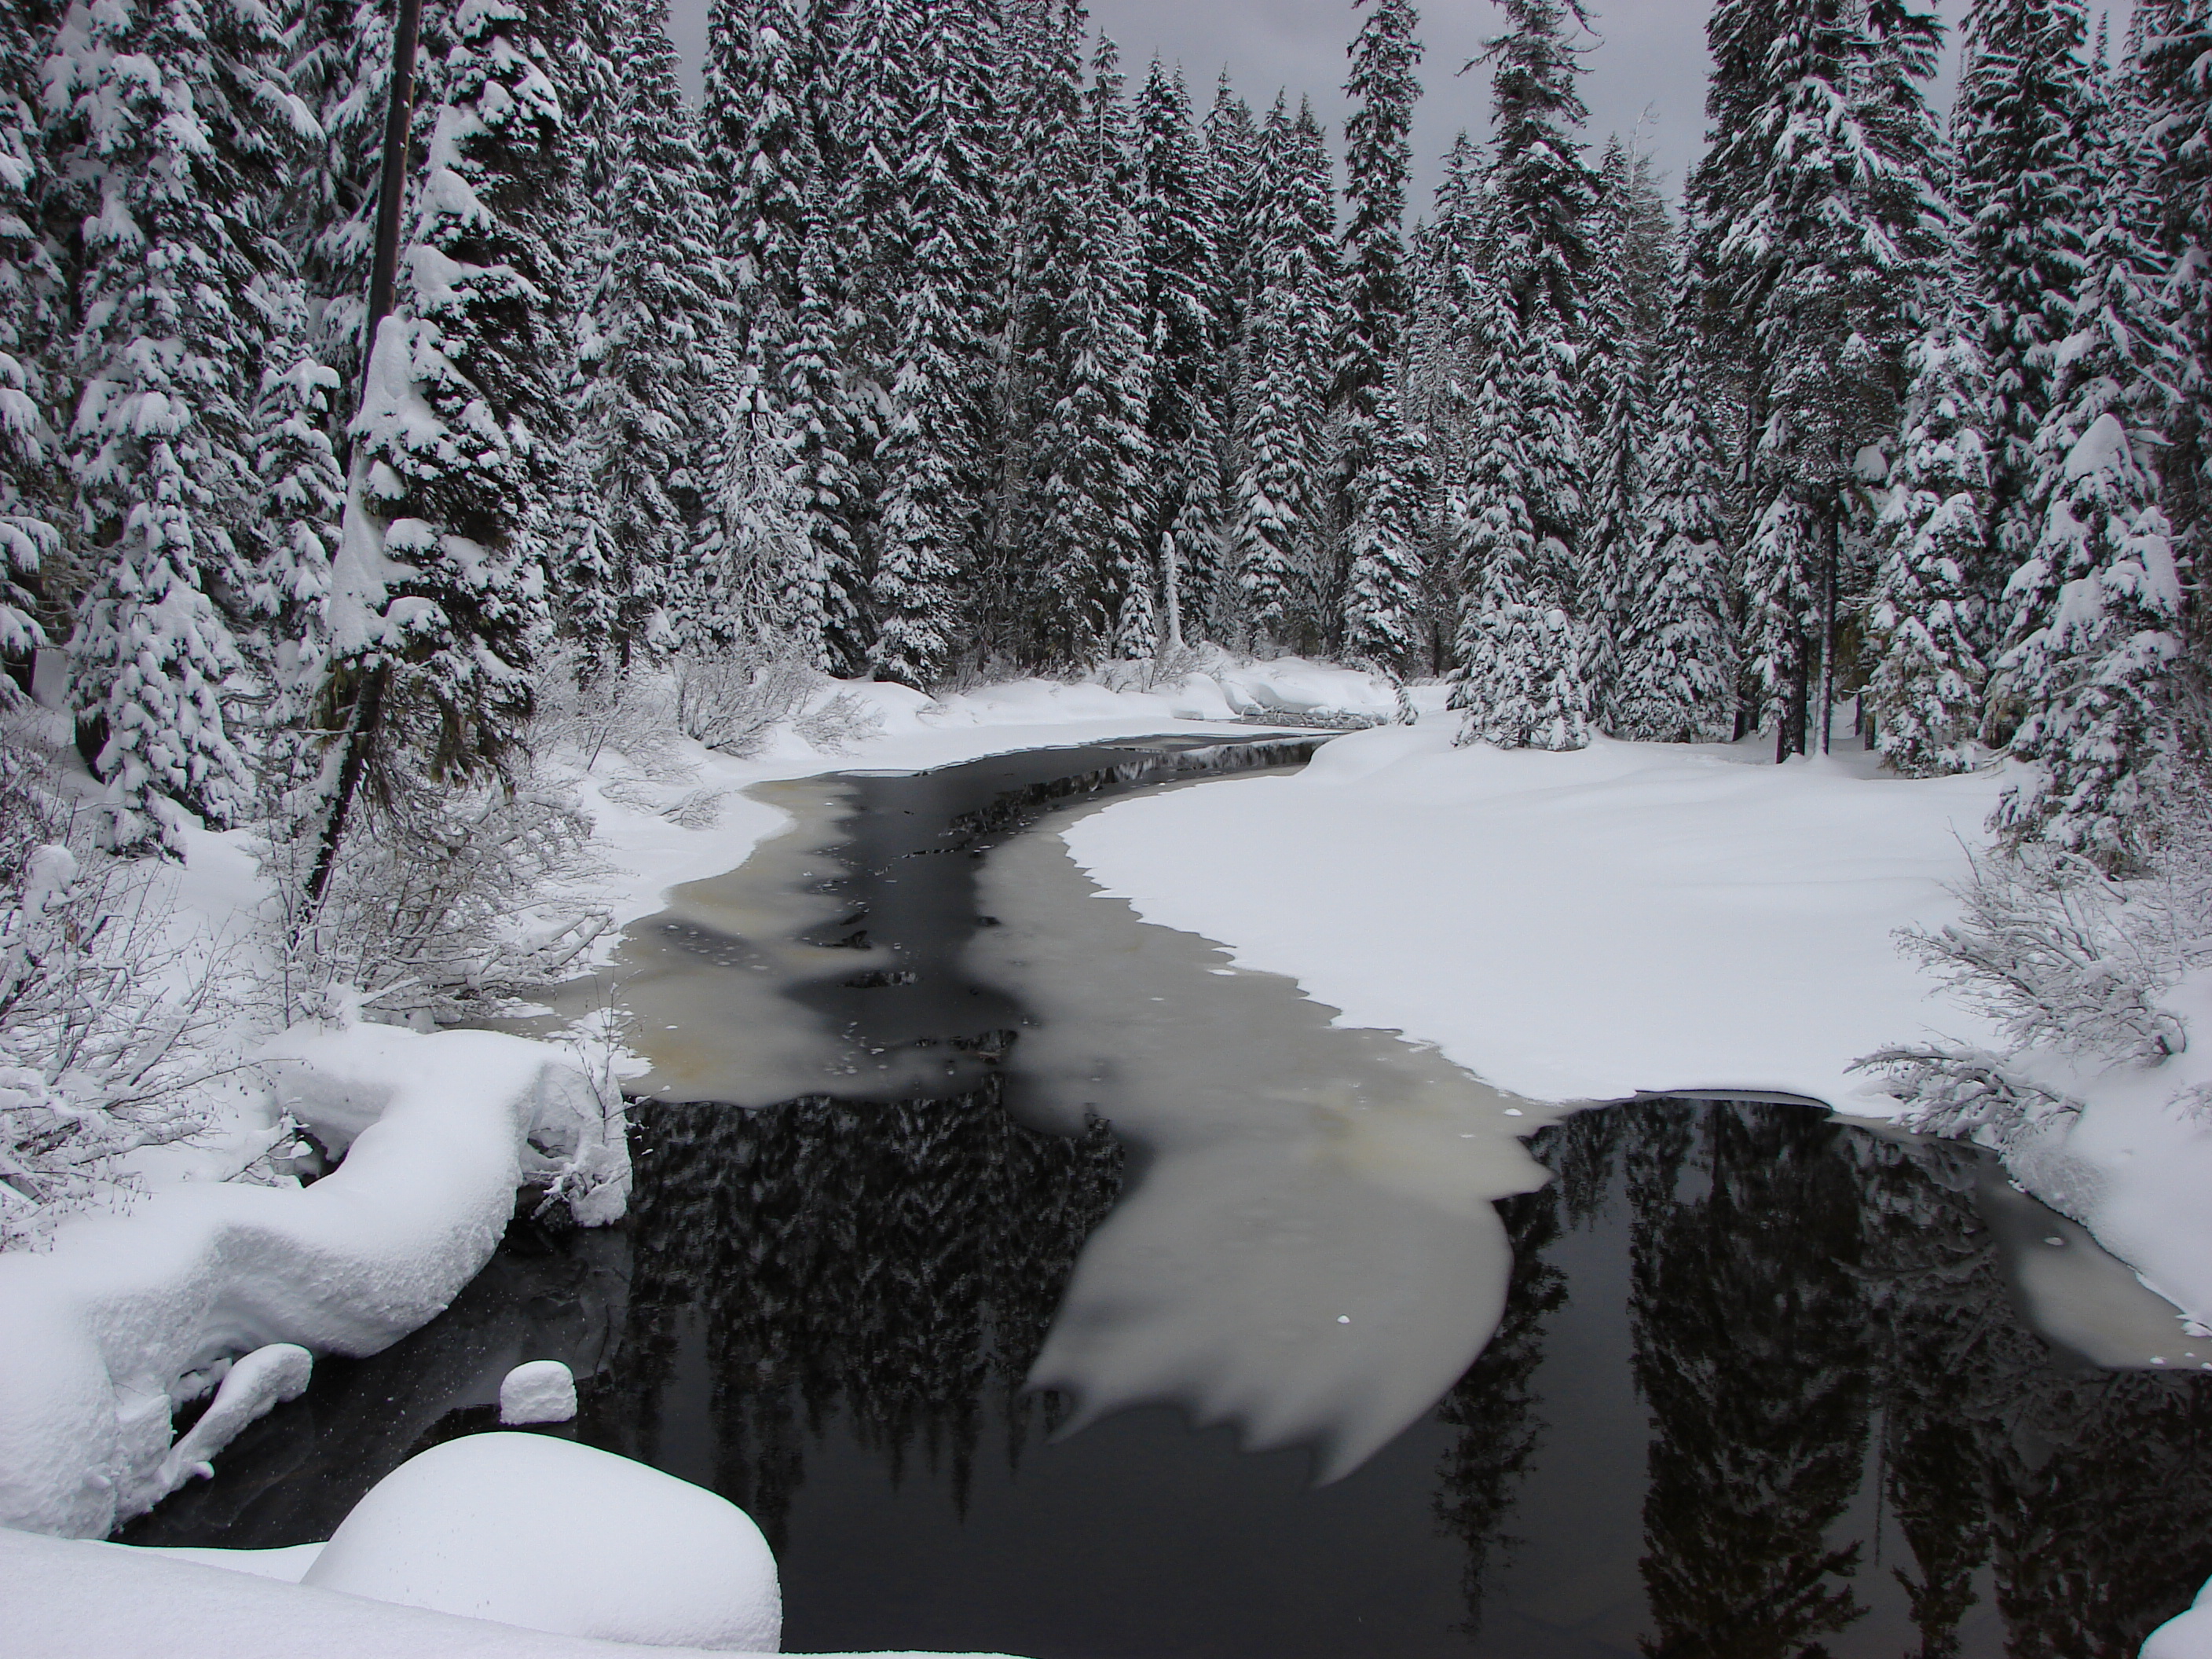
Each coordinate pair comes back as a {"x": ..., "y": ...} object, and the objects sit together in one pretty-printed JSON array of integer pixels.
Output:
[
  {"x": 1233, "y": 147},
  {"x": 1674, "y": 676},
  {"x": 440, "y": 587},
  {"x": 2094, "y": 615},
  {"x": 30, "y": 485},
  {"x": 296, "y": 529},
  {"x": 1543, "y": 203},
  {"x": 1382, "y": 622},
  {"x": 1516, "y": 651},
  {"x": 817, "y": 406},
  {"x": 1178, "y": 218},
  {"x": 2021, "y": 137},
  {"x": 926, "y": 462},
  {"x": 1377, "y": 299},
  {"x": 1093, "y": 453},
  {"x": 172, "y": 126},
  {"x": 1613, "y": 405},
  {"x": 1817, "y": 217},
  {"x": 2177, "y": 58},
  {"x": 341, "y": 54},
  {"x": 1287, "y": 333},
  {"x": 653, "y": 334},
  {"x": 1923, "y": 621}
]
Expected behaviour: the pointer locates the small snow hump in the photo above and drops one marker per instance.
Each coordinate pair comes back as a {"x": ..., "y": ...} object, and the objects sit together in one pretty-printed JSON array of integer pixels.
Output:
[{"x": 543, "y": 1391}]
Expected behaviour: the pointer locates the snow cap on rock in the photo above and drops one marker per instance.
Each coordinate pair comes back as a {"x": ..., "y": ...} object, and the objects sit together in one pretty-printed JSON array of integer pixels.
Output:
[
  {"x": 542, "y": 1391},
  {"x": 541, "y": 1533}
]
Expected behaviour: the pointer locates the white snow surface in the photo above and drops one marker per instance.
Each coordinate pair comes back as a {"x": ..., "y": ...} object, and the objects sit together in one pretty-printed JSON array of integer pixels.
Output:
[
  {"x": 526, "y": 1529},
  {"x": 1626, "y": 918},
  {"x": 73, "y": 1599}
]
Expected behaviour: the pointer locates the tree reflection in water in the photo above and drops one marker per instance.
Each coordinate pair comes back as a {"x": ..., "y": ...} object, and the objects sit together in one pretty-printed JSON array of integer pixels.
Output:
[
  {"x": 1838, "y": 1390},
  {"x": 1841, "y": 1439},
  {"x": 890, "y": 1264}
]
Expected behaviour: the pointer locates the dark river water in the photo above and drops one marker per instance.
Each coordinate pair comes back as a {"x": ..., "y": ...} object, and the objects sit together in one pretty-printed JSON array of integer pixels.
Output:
[{"x": 1763, "y": 1384}]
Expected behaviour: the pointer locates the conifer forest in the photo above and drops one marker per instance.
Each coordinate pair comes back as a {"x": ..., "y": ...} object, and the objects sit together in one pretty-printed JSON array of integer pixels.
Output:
[{"x": 937, "y": 343}]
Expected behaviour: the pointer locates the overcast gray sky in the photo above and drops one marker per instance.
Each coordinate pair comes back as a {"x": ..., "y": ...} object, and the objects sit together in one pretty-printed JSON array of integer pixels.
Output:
[{"x": 1646, "y": 56}]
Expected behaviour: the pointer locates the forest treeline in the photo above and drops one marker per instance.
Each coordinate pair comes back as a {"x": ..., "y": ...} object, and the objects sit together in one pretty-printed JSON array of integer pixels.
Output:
[{"x": 925, "y": 346}]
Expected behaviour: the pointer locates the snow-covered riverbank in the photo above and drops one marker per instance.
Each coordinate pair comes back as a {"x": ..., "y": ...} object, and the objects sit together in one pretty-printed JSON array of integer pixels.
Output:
[{"x": 1643, "y": 917}]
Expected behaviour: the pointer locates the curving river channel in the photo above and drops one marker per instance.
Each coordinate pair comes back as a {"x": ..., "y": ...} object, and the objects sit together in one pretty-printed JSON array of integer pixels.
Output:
[{"x": 1044, "y": 1284}]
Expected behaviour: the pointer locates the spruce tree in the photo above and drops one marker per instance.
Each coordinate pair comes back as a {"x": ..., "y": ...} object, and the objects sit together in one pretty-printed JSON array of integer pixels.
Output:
[
  {"x": 926, "y": 462},
  {"x": 2020, "y": 135},
  {"x": 654, "y": 328},
  {"x": 1287, "y": 332},
  {"x": 2177, "y": 57},
  {"x": 1923, "y": 621},
  {"x": 172, "y": 127},
  {"x": 30, "y": 302},
  {"x": 1382, "y": 623},
  {"x": 1817, "y": 219},
  {"x": 1516, "y": 652},
  {"x": 1177, "y": 214},
  {"x": 296, "y": 528},
  {"x": 1614, "y": 398},
  {"x": 1543, "y": 205},
  {"x": 1674, "y": 676},
  {"x": 2094, "y": 615},
  {"x": 818, "y": 407},
  {"x": 758, "y": 142},
  {"x": 441, "y": 587},
  {"x": 342, "y": 67},
  {"x": 1094, "y": 454},
  {"x": 1377, "y": 297}
]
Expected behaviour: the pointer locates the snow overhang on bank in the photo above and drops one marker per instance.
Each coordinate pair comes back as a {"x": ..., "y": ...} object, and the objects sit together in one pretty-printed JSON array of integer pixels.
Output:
[{"x": 106, "y": 1333}]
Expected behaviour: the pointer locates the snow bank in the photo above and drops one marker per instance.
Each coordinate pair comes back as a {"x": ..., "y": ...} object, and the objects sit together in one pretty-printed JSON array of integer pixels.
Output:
[
  {"x": 541, "y": 1533},
  {"x": 1579, "y": 926},
  {"x": 2187, "y": 1636},
  {"x": 105, "y": 1334},
  {"x": 2135, "y": 1169},
  {"x": 92, "y": 1601}
]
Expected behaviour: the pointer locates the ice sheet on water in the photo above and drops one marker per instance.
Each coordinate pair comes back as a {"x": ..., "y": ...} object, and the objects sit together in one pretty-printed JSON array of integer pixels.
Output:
[{"x": 1313, "y": 1254}]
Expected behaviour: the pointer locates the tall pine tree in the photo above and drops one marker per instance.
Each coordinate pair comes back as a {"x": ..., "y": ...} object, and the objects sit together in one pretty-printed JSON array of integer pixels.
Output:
[
  {"x": 174, "y": 124},
  {"x": 1377, "y": 299},
  {"x": 439, "y": 593},
  {"x": 1923, "y": 618}
]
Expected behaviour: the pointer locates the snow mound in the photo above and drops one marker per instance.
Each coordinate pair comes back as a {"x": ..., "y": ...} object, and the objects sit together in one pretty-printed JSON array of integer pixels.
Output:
[
  {"x": 86, "y": 1601},
  {"x": 542, "y": 1391},
  {"x": 1296, "y": 686},
  {"x": 103, "y": 1336},
  {"x": 526, "y": 1529}
]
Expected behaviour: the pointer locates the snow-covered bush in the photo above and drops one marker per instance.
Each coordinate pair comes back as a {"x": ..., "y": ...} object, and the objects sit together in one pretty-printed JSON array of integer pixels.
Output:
[
  {"x": 105, "y": 1027},
  {"x": 728, "y": 698},
  {"x": 626, "y": 713},
  {"x": 836, "y": 725},
  {"x": 443, "y": 899},
  {"x": 2062, "y": 955},
  {"x": 2072, "y": 963}
]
